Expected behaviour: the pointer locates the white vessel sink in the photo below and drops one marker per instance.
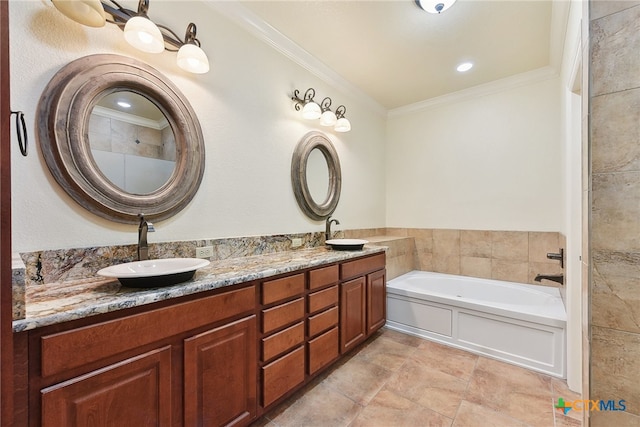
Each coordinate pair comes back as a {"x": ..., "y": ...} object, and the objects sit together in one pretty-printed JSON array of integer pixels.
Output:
[
  {"x": 154, "y": 272},
  {"x": 346, "y": 244}
]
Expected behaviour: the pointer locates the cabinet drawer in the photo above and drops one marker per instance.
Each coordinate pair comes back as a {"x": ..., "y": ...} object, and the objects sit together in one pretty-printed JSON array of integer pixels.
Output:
[
  {"x": 280, "y": 289},
  {"x": 281, "y": 315},
  {"x": 71, "y": 349},
  {"x": 323, "y": 299},
  {"x": 323, "y": 276},
  {"x": 323, "y": 321},
  {"x": 282, "y": 341},
  {"x": 362, "y": 266},
  {"x": 323, "y": 350},
  {"x": 282, "y": 375}
]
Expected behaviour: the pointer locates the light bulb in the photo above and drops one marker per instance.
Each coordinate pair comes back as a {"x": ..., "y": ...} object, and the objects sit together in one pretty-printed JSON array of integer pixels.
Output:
[
  {"x": 85, "y": 12},
  {"x": 144, "y": 35},
  {"x": 311, "y": 110},
  {"x": 328, "y": 118},
  {"x": 342, "y": 125},
  {"x": 193, "y": 59}
]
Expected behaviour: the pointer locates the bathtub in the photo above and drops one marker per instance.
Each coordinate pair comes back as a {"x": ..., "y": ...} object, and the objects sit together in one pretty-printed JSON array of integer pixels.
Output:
[{"x": 513, "y": 322}]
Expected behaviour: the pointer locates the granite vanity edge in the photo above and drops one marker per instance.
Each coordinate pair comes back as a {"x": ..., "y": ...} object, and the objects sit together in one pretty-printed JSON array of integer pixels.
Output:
[{"x": 204, "y": 280}]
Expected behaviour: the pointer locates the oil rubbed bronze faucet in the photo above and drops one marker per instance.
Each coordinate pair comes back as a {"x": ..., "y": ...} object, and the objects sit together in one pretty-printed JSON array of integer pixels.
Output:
[
  {"x": 327, "y": 230},
  {"x": 143, "y": 228},
  {"x": 558, "y": 278}
]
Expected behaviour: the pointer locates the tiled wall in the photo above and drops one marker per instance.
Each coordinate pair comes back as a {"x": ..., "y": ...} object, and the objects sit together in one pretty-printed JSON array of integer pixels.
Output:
[
  {"x": 615, "y": 208},
  {"x": 516, "y": 256}
]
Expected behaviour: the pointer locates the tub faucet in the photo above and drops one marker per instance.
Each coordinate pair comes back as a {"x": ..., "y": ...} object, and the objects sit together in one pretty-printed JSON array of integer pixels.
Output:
[
  {"x": 143, "y": 228},
  {"x": 327, "y": 230},
  {"x": 558, "y": 278}
]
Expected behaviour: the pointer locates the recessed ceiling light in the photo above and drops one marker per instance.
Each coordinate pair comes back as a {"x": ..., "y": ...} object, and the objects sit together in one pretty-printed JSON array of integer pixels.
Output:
[
  {"x": 124, "y": 104},
  {"x": 465, "y": 66}
]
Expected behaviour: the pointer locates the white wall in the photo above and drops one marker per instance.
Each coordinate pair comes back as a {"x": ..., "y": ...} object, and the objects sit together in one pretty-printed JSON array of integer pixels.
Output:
[
  {"x": 488, "y": 162},
  {"x": 249, "y": 126}
]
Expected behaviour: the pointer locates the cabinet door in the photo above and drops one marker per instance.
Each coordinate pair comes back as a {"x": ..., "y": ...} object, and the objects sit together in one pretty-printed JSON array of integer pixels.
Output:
[
  {"x": 134, "y": 392},
  {"x": 220, "y": 375},
  {"x": 376, "y": 301},
  {"x": 353, "y": 326}
]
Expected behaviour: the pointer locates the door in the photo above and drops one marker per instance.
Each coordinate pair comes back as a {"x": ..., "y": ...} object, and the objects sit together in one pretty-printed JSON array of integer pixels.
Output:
[
  {"x": 220, "y": 375},
  {"x": 352, "y": 313},
  {"x": 6, "y": 139},
  {"x": 134, "y": 392},
  {"x": 376, "y": 301}
]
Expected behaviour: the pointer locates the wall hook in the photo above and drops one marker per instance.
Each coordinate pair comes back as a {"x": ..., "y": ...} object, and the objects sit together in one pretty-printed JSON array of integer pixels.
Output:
[{"x": 21, "y": 131}]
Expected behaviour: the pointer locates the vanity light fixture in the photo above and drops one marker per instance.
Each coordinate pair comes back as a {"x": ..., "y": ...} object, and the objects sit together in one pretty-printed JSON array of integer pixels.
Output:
[
  {"x": 435, "y": 6},
  {"x": 311, "y": 110},
  {"x": 139, "y": 30},
  {"x": 328, "y": 117},
  {"x": 343, "y": 124}
]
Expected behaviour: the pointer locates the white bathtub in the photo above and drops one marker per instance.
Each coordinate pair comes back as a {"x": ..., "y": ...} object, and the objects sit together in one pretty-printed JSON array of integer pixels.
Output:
[{"x": 517, "y": 323}]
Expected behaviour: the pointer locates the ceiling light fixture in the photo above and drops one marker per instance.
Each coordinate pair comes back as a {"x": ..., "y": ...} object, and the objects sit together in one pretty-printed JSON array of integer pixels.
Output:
[
  {"x": 311, "y": 110},
  {"x": 465, "y": 66},
  {"x": 139, "y": 30},
  {"x": 124, "y": 104},
  {"x": 435, "y": 6}
]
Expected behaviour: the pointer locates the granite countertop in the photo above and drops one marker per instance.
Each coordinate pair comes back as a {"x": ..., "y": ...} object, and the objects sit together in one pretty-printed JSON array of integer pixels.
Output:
[{"x": 57, "y": 303}]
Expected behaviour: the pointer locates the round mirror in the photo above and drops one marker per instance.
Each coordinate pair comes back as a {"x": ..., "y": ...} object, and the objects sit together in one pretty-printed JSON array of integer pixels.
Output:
[
  {"x": 316, "y": 176},
  {"x": 131, "y": 142},
  {"x": 87, "y": 153}
]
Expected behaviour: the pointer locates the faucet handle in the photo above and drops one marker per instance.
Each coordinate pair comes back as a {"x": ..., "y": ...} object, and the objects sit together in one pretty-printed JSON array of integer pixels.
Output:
[{"x": 150, "y": 227}]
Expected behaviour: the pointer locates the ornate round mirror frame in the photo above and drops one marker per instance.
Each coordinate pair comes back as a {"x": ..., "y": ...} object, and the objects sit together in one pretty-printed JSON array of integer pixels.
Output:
[
  {"x": 311, "y": 141},
  {"x": 63, "y": 115}
]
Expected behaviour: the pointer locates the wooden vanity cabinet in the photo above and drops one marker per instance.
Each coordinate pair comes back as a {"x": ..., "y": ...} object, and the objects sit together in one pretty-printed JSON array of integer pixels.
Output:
[
  {"x": 323, "y": 318},
  {"x": 362, "y": 299},
  {"x": 282, "y": 364},
  {"x": 189, "y": 363},
  {"x": 222, "y": 357}
]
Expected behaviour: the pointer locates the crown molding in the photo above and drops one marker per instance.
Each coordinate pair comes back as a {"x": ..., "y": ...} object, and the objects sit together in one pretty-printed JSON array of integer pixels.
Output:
[
  {"x": 508, "y": 83},
  {"x": 249, "y": 21}
]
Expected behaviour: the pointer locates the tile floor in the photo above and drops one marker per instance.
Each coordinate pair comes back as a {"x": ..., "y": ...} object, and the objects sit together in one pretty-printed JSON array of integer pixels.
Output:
[{"x": 399, "y": 380}]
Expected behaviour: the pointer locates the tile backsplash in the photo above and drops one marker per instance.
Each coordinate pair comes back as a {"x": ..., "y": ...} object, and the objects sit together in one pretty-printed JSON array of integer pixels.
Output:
[
  {"x": 516, "y": 256},
  {"x": 502, "y": 255}
]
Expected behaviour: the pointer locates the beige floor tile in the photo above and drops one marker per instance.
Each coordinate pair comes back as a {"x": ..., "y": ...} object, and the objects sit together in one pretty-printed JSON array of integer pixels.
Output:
[
  {"x": 388, "y": 409},
  {"x": 561, "y": 390},
  {"x": 358, "y": 379},
  {"x": 405, "y": 339},
  {"x": 514, "y": 391},
  {"x": 472, "y": 415},
  {"x": 386, "y": 353},
  {"x": 447, "y": 359},
  {"x": 563, "y": 421},
  {"x": 322, "y": 407},
  {"x": 429, "y": 387}
]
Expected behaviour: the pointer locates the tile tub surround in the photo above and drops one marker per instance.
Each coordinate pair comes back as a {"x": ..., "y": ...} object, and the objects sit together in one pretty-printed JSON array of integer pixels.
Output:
[
  {"x": 514, "y": 256},
  {"x": 400, "y": 380},
  {"x": 60, "y": 302},
  {"x": 614, "y": 187}
]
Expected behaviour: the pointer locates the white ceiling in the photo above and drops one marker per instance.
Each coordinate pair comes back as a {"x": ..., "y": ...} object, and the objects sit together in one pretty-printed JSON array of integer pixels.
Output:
[{"x": 398, "y": 55}]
